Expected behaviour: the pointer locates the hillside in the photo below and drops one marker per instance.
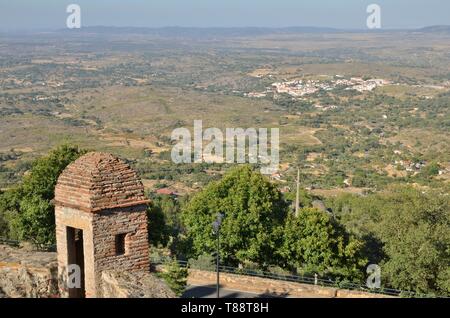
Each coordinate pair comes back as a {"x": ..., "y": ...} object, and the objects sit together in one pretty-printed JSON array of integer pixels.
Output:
[{"x": 124, "y": 90}]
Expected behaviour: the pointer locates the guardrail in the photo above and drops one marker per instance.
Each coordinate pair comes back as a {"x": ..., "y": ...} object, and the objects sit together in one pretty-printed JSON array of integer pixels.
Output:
[{"x": 290, "y": 278}]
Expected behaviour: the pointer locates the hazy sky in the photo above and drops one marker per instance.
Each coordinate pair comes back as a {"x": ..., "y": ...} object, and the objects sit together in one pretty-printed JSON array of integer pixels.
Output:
[{"x": 38, "y": 14}]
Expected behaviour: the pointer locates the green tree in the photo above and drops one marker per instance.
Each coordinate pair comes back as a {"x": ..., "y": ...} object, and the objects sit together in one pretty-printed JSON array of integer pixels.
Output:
[
  {"x": 36, "y": 220},
  {"x": 305, "y": 198},
  {"x": 176, "y": 277},
  {"x": 170, "y": 206},
  {"x": 3, "y": 222},
  {"x": 41, "y": 180},
  {"x": 253, "y": 212},
  {"x": 431, "y": 170},
  {"x": 164, "y": 220},
  {"x": 157, "y": 227},
  {"x": 29, "y": 208},
  {"x": 203, "y": 262},
  {"x": 415, "y": 230},
  {"x": 314, "y": 243},
  {"x": 407, "y": 232},
  {"x": 360, "y": 216},
  {"x": 361, "y": 179},
  {"x": 9, "y": 205}
]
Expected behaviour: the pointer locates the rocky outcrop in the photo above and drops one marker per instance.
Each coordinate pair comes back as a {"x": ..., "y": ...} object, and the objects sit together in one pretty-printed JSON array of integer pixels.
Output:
[
  {"x": 118, "y": 284},
  {"x": 25, "y": 273}
]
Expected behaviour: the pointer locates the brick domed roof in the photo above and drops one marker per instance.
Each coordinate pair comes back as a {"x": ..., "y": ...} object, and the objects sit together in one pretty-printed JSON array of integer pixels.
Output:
[{"x": 98, "y": 181}]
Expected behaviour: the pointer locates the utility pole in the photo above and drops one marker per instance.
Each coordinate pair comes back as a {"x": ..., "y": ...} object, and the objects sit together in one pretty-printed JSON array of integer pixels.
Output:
[
  {"x": 218, "y": 262},
  {"x": 297, "y": 196},
  {"x": 216, "y": 230}
]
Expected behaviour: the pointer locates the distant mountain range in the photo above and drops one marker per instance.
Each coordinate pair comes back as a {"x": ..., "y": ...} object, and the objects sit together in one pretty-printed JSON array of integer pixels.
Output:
[
  {"x": 436, "y": 29},
  {"x": 197, "y": 32},
  {"x": 247, "y": 31},
  {"x": 192, "y": 31}
]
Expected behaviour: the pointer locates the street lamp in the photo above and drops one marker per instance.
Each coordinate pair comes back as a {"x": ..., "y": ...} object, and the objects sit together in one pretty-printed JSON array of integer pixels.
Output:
[{"x": 216, "y": 230}]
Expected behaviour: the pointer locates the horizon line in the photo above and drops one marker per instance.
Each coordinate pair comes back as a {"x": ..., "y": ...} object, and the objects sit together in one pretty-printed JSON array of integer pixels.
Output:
[{"x": 57, "y": 29}]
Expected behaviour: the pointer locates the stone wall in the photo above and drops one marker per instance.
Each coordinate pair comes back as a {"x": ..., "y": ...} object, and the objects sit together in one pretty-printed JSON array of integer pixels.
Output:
[
  {"x": 265, "y": 286},
  {"x": 25, "y": 273},
  {"x": 64, "y": 217},
  {"x": 99, "y": 233},
  {"x": 30, "y": 274},
  {"x": 107, "y": 224},
  {"x": 132, "y": 222},
  {"x": 118, "y": 284}
]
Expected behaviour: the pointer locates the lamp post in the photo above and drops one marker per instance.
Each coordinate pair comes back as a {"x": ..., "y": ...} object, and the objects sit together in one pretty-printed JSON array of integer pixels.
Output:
[{"x": 216, "y": 230}]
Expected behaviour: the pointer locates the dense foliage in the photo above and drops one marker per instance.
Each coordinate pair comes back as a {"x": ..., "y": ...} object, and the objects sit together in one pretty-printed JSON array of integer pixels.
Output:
[
  {"x": 253, "y": 212},
  {"x": 314, "y": 243},
  {"x": 403, "y": 229},
  {"x": 176, "y": 277},
  {"x": 28, "y": 206},
  {"x": 412, "y": 228},
  {"x": 163, "y": 219}
]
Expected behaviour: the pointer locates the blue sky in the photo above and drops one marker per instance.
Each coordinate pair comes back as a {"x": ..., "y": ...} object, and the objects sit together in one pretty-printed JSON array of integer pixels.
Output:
[{"x": 38, "y": 14}]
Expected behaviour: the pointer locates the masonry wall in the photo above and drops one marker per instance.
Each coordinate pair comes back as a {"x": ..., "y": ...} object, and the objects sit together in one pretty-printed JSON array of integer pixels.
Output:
[
  {"x": 28, "y": 273},
  {"x": 107, "y": 224},
  {"x": 99, "y": 243},
  {"x": 65, "y": 217},
  {"x": 265, "y": 286}
]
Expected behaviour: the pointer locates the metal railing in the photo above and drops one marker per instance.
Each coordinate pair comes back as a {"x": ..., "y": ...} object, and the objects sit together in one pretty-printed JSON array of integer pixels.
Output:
[
  {"x": 9, "y": 242},
  {"x": 290, "y": 278}
]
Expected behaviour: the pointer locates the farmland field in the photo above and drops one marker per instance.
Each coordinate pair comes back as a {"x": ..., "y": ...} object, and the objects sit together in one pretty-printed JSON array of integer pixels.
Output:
[{"x": 125, "y": 91}]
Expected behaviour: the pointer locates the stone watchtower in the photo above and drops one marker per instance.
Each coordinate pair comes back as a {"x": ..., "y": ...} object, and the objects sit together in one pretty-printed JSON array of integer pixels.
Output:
[{"x": 101, "y": 222}]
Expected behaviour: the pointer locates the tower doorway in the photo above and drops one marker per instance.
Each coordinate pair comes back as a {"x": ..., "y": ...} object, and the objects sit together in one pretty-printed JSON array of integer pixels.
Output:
[{"x": 75, "y": 250}]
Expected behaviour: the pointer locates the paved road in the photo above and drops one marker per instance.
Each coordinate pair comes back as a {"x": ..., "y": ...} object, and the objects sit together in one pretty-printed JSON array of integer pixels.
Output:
[{"x": 209, "y": 291}]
